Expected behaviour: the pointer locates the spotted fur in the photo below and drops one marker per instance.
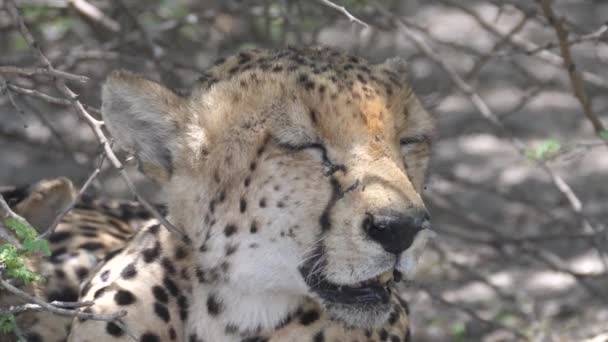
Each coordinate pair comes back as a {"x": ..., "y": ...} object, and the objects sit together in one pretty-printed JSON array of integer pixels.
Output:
[
  {"x": 93, "y": 230},
  {"x": 272, "y": 166}
]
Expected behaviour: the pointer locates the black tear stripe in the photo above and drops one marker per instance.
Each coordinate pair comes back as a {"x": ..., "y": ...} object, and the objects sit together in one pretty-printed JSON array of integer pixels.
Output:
[{"x": 336, "y": 194}]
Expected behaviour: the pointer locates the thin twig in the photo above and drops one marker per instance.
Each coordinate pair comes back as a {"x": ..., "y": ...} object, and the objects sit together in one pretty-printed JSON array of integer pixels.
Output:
[
  {"x": 481, "y": 106},
  {"x": 15, "y": 309},
  {"x": 5, "y": 89},
  {"x": 576, "y": 81},
  {"x": 95, "y": 124},
  {"x": 46, "y": 97},
  {"x": 67, "y": 209},
  {"x": 115, "y": 317},
  {"x": 88, "y": 10},
  {"x": 13, "y": 70},
  {"x": 344, "y": 11},
  {"x": 5, "y": 214},
  {"x": 525, "y": 45}
]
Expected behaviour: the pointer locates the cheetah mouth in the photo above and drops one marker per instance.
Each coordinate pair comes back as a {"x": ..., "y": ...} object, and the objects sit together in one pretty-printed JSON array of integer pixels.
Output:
[{"x": 376, "y": 290}]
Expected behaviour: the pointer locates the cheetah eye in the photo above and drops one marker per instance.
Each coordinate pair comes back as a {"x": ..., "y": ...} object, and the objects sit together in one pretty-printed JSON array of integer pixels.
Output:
[
  {"x": 409, "y": 144},
  {"x": 321, "y": 151}
]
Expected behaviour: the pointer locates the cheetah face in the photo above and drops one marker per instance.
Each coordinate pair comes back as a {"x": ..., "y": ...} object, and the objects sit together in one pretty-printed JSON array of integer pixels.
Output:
[{"x": 295, "y": 173}]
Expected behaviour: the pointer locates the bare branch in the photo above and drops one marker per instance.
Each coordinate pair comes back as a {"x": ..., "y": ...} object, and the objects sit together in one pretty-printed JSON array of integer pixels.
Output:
[
  {"x": 13, "y": 70},
  {"x": 39, "y": 304},
  {"x": 95, "y": 14},
  {"x": 46, "y": 97},
  {"x": 575, "y": 78},
  {"x": 344, "y": 11},
  {"x": 67, "y": 209},
  {"x": 94, "y": 124},
  {"x": 7, "y": 213},
  {"x": 573, "y": 200}
]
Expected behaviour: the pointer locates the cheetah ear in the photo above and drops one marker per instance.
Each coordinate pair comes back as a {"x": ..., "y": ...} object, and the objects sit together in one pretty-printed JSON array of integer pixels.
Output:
[
  {"x": 143, "y": 116},
  {"x": 43, "y": 201}
]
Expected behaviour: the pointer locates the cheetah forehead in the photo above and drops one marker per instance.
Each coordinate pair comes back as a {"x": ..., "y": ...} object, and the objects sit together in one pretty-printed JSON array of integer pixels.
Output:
[{"x": 325, "y": 86}]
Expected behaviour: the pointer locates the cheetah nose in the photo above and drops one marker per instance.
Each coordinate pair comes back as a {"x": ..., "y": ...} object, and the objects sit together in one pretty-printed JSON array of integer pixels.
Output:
[{"x": 395, "y": 231}]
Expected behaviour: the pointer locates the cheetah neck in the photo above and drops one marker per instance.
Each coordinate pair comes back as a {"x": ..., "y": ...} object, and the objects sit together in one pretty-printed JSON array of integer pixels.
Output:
[{"x": 224, "y": 314}]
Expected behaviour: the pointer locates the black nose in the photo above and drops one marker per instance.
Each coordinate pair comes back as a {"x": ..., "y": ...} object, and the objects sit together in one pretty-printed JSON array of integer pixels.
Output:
[{"x": 395, "y": 231}]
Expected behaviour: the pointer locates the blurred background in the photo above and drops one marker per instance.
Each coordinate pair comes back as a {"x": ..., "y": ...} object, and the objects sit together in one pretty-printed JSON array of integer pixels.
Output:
[{"x": 518, "y": 185}]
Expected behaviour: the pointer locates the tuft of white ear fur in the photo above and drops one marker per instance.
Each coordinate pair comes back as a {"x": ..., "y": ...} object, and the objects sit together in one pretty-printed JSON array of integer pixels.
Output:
[{"x": 142, "y": 116}]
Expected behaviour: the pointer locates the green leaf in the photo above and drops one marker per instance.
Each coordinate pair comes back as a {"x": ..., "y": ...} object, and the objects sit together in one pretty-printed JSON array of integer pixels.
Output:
[
  {"x": 37, "y": 246},
  {"x": 22, "y": 229},
  {"x": 547, "y": 149},
  {"x": 7, "y": 323},
  {"x": 458, "y": 330},
  {"x": 604, "y": 135}
]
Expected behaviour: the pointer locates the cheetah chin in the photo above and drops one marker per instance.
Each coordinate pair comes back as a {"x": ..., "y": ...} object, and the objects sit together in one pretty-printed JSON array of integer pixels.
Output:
[{"x": 367, "y": 303}]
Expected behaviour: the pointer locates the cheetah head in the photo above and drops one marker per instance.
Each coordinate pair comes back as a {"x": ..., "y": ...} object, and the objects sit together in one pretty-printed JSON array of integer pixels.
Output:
[{"x": 295, "y": 173}]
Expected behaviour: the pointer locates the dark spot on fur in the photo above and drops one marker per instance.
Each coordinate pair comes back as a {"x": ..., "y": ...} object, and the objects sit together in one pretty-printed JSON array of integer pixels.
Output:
[
  {"x": 230, "y": 249},
  {"x": 231, "y": 329},
  {"x": 214, "y": 307},
  {"x": 56, "y": 254},
  {"x": 319, "y": 337},
  {"x": 309, "y": 317},
  {"x": 185, "y": 274},
  {"x": 395, "y": 338},
  {"x": 160, "y": 294},
  {"x": 193, "y": 338},
  {"x": 254, "y": 227},
  {"x": 114, "y": 330},
  {"x": 59, "y": 236},
  {"x": 172, "y": 334},
  {"x": 85, "y": 289},
  {"x": 152, "y": 253},
  {"x": 66, "y": 294},
  {"x": 180, "y": 253},
  {"x": 92, "y": 246},
  {"x": 383, "y": 335},
  {"x": 392, "y": 319},
  {"x": 230, "y": 229},
  {"x": 247, "y": 181},
  {"x": 243, "y": 205},
  {"x": 168, "y": 265},
  {"x": 124, "y": 297},
  {"x": 182, "y": 303},
  {"x": 104, "y": 275},
  {"x": 200, "y": 275},
  {"x": 100, "y": 292},
  {"x": 81, "y": 272},
  {"x": 170, "y": 286},
  {"x": 149, "y": 337},
  {"x": 313, "y": 114},
  {"x": 129, "y": 271},
  {"x": 59, "y": 274},
  {"x": 162, "y": 311},
  {"x": 263, "y": 202}
]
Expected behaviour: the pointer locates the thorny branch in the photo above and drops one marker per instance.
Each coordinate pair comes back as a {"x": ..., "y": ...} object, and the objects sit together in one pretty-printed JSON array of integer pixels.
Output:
[
  {"x": 68, "y": 208},
  {"x": 96, "y": 125},
  {"x": 575, "y": 77},
  {"x": 344, "y": 11},
  {"x": 488, "y": 114},
  {"x": 35, "y": 303}
]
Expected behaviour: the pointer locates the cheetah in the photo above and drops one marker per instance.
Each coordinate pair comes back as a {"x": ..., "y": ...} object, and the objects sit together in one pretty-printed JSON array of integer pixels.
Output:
[
  {"x": 90, "y": 232},
  {"x": 295, "y": 176}
]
